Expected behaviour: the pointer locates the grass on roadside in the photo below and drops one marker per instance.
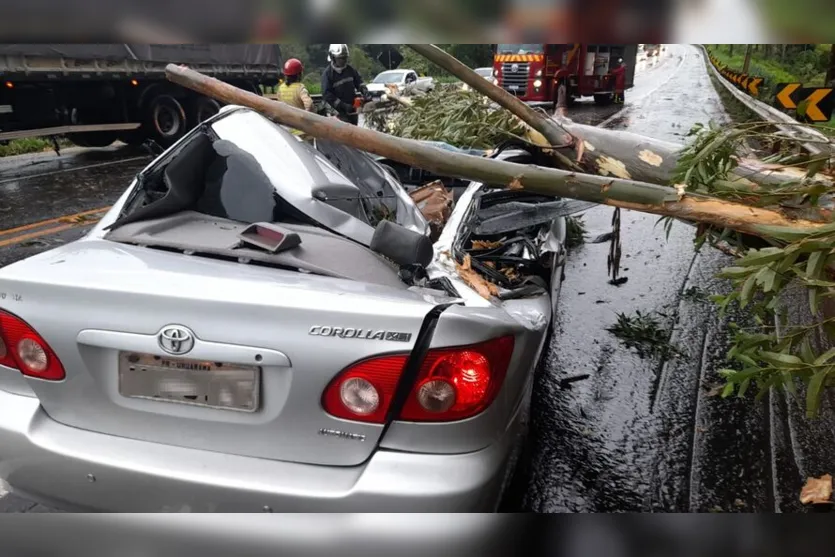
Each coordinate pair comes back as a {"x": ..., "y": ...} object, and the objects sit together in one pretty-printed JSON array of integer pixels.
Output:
[{"x": 30, "y": 145}]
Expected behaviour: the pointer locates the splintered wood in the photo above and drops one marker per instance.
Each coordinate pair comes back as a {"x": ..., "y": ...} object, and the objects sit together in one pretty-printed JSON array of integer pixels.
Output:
[
  {"x": 478, "y": 283},
  {"x": 485, "y": 244},
  {"x": 435, "y": 204},
  {"x": 817, "y": 490}
]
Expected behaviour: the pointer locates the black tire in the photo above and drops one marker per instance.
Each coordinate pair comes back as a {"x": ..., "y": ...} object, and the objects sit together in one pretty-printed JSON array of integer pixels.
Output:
[
  {"x": 604, "y": 100},
  {"x": 90, "y": 139},
  {"x": 166, "y": 120},
  {"x": 93, "y": 139},
  {"x": 201, "y": 109}
]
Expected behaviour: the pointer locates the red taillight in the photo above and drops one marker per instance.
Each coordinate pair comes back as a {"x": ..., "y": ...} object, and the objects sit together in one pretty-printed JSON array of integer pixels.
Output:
[
  {"x": 364, "y": 391},
  {"x": 23, "y": 349},
  {"x": 453, "y": 384},
  {"x": 458, "y": 383}
]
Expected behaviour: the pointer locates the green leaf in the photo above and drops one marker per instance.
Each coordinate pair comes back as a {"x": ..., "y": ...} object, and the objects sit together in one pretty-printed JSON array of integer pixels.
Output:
[
  {"x": 788, "y": 382},
  {"x": 746, "y": 360},
  {"x": 768, "y": 279},
  {"x": 703, "y": 173},
  {"x": 734, "y": 272},
  {"x": 823, "y": 231},
  {"x": 743, "y": 387},
  {"x": 779, "y": 360},
  {"x": 784, "y": 233},
  {"x": 815, "y": 265},
  {"x": 789, "y": 260},
  {"x": 815, "y": 167},
  {"x": 728, "y": 390},
  {"x": 747, "y": 291},
  {"x": 814, "y": 300},
  {"x": 761, "y": 257},
  {"x": 825, "y": 357},
  {"x": 814, "y": 392},
  {"x": 808, "y": 246},
  {"x": 806, "y": 351}
]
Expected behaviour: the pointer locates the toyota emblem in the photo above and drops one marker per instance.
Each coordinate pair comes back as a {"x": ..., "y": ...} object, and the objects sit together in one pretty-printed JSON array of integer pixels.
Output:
[
  {"x": 514, "y": 68},
  {"x": 176, "y": 340}
]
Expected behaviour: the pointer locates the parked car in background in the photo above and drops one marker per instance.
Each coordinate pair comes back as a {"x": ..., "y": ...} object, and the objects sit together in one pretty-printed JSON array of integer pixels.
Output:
[
  {"x": 486, "y": 73},
  {"x": 400, "y": 80},
  {"x": 261, "y": 323}
]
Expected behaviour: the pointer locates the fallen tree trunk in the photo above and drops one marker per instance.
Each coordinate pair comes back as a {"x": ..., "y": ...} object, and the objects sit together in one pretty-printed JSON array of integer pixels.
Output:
[
  {"x": 598, "y": 150},
  {"x": 613, "y": 191}
]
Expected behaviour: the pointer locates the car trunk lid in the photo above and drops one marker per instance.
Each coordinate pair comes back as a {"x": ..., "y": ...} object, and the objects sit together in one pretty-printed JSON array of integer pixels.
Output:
[{"x": 99, "y": 304}]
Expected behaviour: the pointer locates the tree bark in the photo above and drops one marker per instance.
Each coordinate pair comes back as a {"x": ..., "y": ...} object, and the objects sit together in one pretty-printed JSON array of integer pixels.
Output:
[
  {"x": 747, "y": 62},
  {"x": 613, "y": 191}
]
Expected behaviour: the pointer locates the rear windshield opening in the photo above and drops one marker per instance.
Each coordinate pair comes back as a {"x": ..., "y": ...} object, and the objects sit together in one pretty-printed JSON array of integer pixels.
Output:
[{"x": 215, "y": 178}]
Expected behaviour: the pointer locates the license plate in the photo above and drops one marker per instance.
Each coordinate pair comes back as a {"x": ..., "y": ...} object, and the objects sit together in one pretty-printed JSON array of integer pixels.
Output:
[
  {"x": 513, "y": 87},
  {"x": 193, "y": 382}
]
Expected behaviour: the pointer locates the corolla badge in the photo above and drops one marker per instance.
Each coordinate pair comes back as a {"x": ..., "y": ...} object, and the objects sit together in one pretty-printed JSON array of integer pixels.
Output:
[{"x": 176, "y": 339}]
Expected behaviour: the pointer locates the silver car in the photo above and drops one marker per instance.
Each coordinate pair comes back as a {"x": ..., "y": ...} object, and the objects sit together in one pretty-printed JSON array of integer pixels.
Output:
[{"x": 261, "y": 323}]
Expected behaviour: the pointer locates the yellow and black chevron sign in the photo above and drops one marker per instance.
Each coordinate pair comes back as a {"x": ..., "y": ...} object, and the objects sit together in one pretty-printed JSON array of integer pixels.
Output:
[
  {"x": 519, "y": 58},
  {"x": 811, "y": 104},
  {"x": 749, "y": 84}
]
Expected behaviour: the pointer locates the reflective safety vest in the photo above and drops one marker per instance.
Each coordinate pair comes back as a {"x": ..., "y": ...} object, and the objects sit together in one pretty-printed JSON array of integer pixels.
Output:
[{"x": 290, "y": 94}]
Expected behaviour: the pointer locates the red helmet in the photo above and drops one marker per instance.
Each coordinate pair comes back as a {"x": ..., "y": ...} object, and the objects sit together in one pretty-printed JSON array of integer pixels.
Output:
[{"x": 293, "y": 66}]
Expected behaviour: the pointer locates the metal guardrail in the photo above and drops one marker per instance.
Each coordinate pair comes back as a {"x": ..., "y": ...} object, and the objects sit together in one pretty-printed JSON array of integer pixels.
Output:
[{"x": 809, "y": 137}]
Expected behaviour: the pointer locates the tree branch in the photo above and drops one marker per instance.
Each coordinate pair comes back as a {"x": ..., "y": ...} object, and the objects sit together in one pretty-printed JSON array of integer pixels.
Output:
[{"x": 616, "y": 192}]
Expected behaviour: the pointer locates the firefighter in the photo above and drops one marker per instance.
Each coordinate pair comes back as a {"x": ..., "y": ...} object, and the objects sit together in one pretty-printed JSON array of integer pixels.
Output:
[
  {"x": 340, "y": 82},
  {"x": 293, "y": 91},
  {"x": 619, "y": 73}
]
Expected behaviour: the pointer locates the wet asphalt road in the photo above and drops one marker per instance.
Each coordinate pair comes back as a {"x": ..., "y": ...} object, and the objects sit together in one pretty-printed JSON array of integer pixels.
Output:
[
  {"x": 645, "y": 434},
  {"x": 639, "y": 434}
]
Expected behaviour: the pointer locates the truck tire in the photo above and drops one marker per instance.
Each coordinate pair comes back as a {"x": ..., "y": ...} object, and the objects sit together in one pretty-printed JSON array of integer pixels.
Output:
[
  {"x": 166, "y": 120},
  {"x": 201, "y": 109},
  {"x": 604, "y": 99},
  {"x": 93, "y": 139}
]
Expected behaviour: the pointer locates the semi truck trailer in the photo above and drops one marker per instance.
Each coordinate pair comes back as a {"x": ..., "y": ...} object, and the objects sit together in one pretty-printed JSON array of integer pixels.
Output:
[{"x": 95, "y": 94}]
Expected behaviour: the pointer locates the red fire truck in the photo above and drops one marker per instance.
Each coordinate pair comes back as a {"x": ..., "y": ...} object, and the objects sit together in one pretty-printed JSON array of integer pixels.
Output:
[{"x": 532, "y": 71}]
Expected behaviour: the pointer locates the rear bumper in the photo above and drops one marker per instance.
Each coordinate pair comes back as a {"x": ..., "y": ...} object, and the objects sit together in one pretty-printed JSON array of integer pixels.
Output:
[{"x": 74, "y": 469}]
